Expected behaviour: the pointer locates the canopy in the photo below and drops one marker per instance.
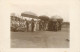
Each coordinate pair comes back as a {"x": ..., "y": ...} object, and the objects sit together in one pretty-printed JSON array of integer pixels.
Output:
[
  {"x": 44, "y": 17},
  {"x": 56, "y": 18},
  {"x": 53, "y": 18},
  {"x": 29, "y": 14}
]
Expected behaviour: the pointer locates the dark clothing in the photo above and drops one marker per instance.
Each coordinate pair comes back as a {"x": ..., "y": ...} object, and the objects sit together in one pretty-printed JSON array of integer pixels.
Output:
[
  {"x": 50, "y": 25},
  {"x": 60, "y": 25},
  {"x": 40, "y": 25},
  {"x": 32, "y": 25},
  {"x": 27, "y": 25}
]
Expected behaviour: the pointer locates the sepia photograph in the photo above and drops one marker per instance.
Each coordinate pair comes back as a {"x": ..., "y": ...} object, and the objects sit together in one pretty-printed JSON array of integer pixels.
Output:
[{"x": 41, "y": 24}]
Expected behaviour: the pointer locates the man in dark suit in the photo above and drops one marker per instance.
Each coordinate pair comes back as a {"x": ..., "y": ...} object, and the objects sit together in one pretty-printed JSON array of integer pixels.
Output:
[{"x": 32, "y": 25}]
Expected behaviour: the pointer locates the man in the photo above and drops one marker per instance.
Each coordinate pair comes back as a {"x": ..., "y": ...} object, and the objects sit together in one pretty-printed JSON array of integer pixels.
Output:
[
  {"x": 56, "y": 26},
  {"x": 32, "y": 25},
  {"x": 50, "y": 25},
  {"x": 60, "y": 23},
  {"x": 27, "y": 25},
  {"x": 40, "y": 25}
]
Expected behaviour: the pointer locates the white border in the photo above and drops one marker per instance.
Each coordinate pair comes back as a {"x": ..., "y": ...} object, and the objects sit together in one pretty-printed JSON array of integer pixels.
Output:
[{"x": 74, "y": 30}]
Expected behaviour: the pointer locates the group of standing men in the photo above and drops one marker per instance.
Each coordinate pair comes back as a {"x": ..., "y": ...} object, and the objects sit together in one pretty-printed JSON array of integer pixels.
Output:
[
  {"x": 41, "y": 25},
  {"x": 35, "y": 25},
  {"x": 32, "y": 25},
  {"x": 54, "y": 25}
]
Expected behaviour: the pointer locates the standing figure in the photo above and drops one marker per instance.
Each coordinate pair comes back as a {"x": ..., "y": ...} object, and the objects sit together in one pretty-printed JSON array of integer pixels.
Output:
[
  {"x": 60, "y": 23},
  {"x": 56, "y": 26},
  {"x": 50, "y": 25},
  {"x": 35, "y": 26},
  {"x": 27, "y": 25},
  {"x": 32, "y": 25},
  {"x": 40, "y": 25}
]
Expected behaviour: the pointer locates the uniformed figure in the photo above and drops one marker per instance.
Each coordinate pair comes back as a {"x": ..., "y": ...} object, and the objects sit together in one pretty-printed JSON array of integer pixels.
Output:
[{"x": 32, "y": 25}]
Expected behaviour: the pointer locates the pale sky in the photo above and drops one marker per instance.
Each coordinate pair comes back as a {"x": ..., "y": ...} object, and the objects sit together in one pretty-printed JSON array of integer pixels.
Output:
[{"x": 41, "y": 7}]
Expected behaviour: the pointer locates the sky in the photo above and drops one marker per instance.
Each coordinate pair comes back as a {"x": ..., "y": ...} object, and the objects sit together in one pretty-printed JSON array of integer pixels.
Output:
[{"x": 41, "y": 7}]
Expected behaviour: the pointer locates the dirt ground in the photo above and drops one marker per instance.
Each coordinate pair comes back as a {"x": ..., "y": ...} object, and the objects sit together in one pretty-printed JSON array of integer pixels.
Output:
[{"x": 40, "y": 39}]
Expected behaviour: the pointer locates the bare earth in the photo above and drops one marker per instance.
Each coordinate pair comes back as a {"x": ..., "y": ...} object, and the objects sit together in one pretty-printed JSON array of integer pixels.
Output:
[{"x": 40, "y": 39}]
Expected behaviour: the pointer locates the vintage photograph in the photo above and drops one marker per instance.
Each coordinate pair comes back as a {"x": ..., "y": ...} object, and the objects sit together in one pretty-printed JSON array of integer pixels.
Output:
[{"x": 40, "y": 24}]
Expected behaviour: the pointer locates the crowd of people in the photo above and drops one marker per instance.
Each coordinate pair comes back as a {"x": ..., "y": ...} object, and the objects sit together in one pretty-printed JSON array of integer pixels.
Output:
[{"x": 18, "y": 24}]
